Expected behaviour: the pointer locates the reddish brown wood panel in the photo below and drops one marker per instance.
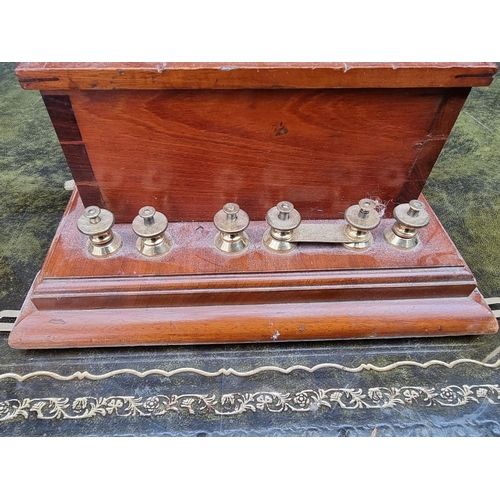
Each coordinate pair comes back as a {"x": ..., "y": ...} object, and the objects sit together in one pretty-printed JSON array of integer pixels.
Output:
[
  {"x": 252, "y": 323},
  {"x": 78, "y": 161},
  {"x": 452, "y": 104},
  {"x": 64, "y": 121},
  {"x": 190, "y": 152},
  {"x": 362, "y": 285},
  {"x": 109, "y": 76},
  {"x": 91, "y": 192},
  {"x": 62, "y": 116},
  {"x": 426, "y": 159},
  {"x": 410, "y": 191}
]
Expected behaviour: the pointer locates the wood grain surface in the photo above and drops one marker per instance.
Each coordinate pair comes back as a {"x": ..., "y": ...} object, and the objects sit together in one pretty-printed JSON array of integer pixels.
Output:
[
  {"x": 189, "y": 152},
  {"x": 189, "y": 137},
  {"x": 163, "y": 75},
  {"x": 252, "y": 323}
]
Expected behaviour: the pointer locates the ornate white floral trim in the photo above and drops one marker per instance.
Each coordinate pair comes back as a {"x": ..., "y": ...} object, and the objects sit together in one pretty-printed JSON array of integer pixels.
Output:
[
  {"x": 237, "y": 403},
  {"x": 231, "y": 371}
]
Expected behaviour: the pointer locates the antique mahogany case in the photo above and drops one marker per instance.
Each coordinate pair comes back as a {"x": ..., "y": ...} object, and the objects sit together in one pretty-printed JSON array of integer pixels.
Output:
[{"x": 283, "y": 142}]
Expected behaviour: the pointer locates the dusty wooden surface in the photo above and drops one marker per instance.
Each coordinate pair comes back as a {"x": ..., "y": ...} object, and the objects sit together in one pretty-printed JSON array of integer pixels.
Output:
[{"x": 195, "y": 294}]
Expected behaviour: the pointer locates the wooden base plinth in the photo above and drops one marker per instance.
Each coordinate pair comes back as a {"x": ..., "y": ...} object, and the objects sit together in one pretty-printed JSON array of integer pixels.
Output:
[{"x": 197, "y": 294}]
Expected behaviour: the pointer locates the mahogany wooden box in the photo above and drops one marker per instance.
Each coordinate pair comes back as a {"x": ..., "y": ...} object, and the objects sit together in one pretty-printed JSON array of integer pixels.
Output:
[{"x": 188, "y": 138}]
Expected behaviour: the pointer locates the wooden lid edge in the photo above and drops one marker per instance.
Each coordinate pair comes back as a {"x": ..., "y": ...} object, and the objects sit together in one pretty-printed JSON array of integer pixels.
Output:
[{"x": 110, "y": 76}]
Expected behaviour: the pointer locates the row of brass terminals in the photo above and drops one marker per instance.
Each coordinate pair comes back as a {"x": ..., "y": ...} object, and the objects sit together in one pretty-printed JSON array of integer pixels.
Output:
[
  {"x": 285, "y": 228},
  {"x": 150, "y": 226}
]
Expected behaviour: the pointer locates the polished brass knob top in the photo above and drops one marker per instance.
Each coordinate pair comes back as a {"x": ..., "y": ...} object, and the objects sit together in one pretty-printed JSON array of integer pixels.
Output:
[
  {"x": 149, "y": 223},
  {"x": 231, "y": 219},
  {"x": 95, "y": 221},
  {"x": 364, "y": 215},
  {"x": 231, "y": 210},
  {"x": 148, "y": 214},
  {"x": 283, "y": 217},
  {"x": 412, "y": 214}
]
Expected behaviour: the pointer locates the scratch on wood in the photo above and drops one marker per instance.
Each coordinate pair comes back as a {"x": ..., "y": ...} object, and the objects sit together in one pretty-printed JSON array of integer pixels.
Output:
[{"x": 174, "y": 326}]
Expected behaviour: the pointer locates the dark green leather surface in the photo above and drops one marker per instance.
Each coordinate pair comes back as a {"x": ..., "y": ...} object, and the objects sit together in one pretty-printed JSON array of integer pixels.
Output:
[{"x": 410, "y": 387}]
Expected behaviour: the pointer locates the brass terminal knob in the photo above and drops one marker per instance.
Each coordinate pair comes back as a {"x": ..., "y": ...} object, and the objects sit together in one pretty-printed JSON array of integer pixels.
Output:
[
  {"x": 410, "y": 217},
  {"x": 150, "y": 227},
  {"x": 282, "y": 219},
  {"x": 97, "y": 223},
  {"x": 231, "y": 222},
  {"x": 361, "y": 219}
]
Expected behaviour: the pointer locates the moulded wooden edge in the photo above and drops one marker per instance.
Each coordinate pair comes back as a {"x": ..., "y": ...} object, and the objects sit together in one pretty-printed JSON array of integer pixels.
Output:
[
  {"x": 252, "y": 323},
  {"x": 274, "y": 288},
  {"x": 106, "y": 76}
]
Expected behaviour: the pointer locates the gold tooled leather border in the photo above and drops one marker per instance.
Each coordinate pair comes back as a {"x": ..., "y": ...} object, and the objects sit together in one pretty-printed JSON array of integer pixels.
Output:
[
  {"x": 231, "y": 371},
  {"x": 235, "y": 403}
]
